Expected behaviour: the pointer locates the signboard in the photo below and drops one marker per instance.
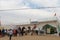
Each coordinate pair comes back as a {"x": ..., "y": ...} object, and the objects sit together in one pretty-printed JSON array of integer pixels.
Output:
[{"x": 34, "y": 22}]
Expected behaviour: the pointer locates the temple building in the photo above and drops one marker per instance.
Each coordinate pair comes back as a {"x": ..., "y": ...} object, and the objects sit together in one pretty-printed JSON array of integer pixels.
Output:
[{"x": 47, "y": 25}]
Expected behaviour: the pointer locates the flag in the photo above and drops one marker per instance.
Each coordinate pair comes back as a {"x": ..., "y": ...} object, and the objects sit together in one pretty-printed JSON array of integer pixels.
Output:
[{"x": 55, "y": 14}]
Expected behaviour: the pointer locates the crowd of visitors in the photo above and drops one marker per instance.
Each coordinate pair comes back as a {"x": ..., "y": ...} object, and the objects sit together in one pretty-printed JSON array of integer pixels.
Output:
[{"x": 20, "y": 31}]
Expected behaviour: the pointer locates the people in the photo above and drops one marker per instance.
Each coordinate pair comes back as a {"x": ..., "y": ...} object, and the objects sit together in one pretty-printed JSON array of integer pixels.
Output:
[
  {"x": 3, "y": 32},
  {"x": 25, "y": 31},
  {"x": 22, "y": 31},
  {"x": 36, "y": 32},
  {"x": 19, "y": 30},
  {"x": 29, "y": 29},
  {"x": 15, "y": 32},
  {"x": 0, "y": 33},
  {"x": 10, "y": 34}
]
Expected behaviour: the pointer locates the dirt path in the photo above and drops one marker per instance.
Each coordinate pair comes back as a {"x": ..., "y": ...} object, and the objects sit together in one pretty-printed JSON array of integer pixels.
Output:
[{"x": 34, "y": 37}]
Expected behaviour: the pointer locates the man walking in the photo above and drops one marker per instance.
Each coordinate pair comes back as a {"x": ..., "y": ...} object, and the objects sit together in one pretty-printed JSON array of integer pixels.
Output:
[{"x": 10, "y": 34}]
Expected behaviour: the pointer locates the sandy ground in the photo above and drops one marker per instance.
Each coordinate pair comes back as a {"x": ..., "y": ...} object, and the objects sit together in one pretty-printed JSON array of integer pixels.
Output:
[{"x": 34, "y": 37}]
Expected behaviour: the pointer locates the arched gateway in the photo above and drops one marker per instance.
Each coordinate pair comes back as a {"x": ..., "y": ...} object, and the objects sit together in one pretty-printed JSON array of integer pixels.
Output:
[{"x": 50, "y": 27}]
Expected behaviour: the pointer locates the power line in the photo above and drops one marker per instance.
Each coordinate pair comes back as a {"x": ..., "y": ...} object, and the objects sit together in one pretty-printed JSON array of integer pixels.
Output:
[{"x": 29, "y": 8}]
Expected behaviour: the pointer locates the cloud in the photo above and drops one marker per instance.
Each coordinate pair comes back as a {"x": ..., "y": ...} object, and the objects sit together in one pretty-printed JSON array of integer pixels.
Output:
[
  {"x": 42, "y": 4},
  {"x": 9, "y": 4},
  {"x": 12, "y": 4},
  {"x": 19, "y": 4},
  {"x": 23, "y": 16},
  {"x": 46, "y": 3}
]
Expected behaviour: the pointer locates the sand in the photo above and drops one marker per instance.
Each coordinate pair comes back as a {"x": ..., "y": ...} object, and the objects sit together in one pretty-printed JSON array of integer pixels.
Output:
[{"x": 34, "y": 37}]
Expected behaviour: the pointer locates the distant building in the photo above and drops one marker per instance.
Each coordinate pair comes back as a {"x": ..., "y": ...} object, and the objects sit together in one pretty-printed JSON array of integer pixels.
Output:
[{"x": 41, "y": 23}]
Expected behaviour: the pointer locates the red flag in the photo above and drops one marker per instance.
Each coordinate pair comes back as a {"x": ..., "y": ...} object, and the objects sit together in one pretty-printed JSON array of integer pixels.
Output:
[{"x": 55, "y": 14}]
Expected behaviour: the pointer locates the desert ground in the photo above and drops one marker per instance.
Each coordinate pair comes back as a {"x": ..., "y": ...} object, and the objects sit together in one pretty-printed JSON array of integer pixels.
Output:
[{"x": 33, "y": 37}]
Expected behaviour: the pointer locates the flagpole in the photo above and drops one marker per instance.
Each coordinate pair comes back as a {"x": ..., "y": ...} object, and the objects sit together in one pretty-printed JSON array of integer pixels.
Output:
[
  {"x": 57, "y": 24},
  {"x": 30, "y": 20}
]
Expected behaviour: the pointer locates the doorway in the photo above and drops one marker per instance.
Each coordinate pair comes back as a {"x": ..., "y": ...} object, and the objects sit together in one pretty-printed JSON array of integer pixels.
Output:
[{"x": 49, "y": 29}]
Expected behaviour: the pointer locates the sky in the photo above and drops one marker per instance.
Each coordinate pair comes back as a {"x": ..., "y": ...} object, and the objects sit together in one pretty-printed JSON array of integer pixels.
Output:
[{"x": 29, "y": 9}]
